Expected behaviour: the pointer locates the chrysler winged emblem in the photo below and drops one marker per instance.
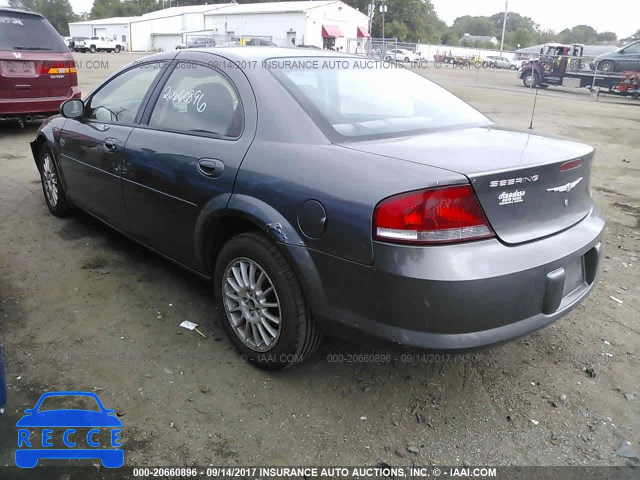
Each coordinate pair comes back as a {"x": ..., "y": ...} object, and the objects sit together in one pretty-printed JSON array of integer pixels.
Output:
[
  {"x": 565, "y": 188},
  {"x": 18, "y": 55}
]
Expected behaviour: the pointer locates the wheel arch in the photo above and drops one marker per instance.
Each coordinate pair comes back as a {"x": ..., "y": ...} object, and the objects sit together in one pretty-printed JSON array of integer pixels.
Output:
[{"x": 229, "y": 215}]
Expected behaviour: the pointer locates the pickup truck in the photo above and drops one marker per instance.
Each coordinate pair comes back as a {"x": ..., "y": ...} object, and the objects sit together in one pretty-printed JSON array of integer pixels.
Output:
[{"x": 98, "y": 44}]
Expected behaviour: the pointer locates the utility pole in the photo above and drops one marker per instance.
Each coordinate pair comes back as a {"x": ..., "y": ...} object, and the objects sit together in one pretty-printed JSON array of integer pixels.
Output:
[
  {"x": 504, "y": 24},
  {"x": 383, "y": 10},
  {"x": 372, "y": 10}
]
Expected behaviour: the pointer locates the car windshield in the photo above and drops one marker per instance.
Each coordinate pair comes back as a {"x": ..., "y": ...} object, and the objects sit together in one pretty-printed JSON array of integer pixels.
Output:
[
  {"x": 20, "y": 31},
  {"x": 66, "y": 402},
  {"x": 359, "y": 99}
]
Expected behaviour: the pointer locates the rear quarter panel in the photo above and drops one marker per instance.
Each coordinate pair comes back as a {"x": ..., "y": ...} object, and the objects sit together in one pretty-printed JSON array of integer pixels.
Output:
[{"x": 347, "y": 183}]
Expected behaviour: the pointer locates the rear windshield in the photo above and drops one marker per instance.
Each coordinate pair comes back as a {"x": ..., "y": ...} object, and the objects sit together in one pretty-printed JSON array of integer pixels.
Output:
[
  {"x": 20, "y": 31},
  {"x": 357, "y": 99}
]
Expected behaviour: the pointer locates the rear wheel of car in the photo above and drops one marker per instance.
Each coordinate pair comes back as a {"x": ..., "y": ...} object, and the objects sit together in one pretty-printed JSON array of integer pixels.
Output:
[
  {"x": 93, "y": 49},
  {"x": 388, "y": 58},
  {"x": 607, "y": 66},
  {"x": 261, "y": 300},
  {"x": 117, "y": 49},
  {"x": 513, "y": 67},
  {"x": 51, "y": 186}
]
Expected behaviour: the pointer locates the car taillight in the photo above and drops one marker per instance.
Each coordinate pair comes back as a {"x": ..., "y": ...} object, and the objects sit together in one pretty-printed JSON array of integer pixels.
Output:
[
  {"x": 57, "y": 68},
  {"x": 438, "y": 215}
]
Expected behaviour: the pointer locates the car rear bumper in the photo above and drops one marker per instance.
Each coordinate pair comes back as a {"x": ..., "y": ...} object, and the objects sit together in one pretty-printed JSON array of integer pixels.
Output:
[
  {"x": 455, "y": 297},
  {"x": 13, "y": 107}
]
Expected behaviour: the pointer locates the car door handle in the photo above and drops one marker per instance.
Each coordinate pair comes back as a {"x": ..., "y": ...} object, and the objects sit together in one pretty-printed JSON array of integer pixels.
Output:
[
  {"x": 110, "y": 144},
  {"x": 210, "y": 167}
]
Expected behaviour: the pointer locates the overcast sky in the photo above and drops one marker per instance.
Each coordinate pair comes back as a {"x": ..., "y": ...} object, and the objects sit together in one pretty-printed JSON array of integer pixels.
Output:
[{"x": 622, "y": 18}]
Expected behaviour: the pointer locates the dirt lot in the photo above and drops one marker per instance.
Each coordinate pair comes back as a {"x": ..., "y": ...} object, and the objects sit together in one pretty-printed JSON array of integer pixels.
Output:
[{"x": 82, "y": 308}]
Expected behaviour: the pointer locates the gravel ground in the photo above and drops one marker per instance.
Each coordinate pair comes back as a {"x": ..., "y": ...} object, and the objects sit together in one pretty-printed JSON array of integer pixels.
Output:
[{"x": 83, "y": 308}]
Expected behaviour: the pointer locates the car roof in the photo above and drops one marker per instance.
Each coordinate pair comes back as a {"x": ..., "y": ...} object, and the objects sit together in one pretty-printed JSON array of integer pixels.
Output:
[
  {"x": 265, "y": 53},
  {"x": 19, "y": 10}
]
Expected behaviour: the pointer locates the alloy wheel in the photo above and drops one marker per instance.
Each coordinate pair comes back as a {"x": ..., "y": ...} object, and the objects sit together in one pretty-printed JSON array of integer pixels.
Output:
[
  {"x": 251, "y": 304},
  {"x": 50, "y": 180}
]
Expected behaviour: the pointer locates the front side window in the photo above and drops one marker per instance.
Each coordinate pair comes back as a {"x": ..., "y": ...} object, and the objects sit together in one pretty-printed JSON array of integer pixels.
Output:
[
  {"x": 361, "y": 100},
  {"x": 633, "y": 48},
  {"x": 198, "y": 99},
  {"x": 119, "y": 100}
]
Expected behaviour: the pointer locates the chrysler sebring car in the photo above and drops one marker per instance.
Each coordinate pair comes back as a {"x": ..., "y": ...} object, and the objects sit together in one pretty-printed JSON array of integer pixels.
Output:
[{"x": 318, "y": 200}]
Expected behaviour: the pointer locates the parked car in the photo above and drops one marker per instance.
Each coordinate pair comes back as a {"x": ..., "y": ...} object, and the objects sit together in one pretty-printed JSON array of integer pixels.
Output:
[
  {"x": 102, "y": 44},
  {"x": 624, "y": 59},
  {"x": 501, "y": 62},
  {"x": 401, "y": 55},
  {"x": 319, "y": 200},
  {"x": 79, "y": 44},
  {"x": 198, "y": 42},
  {"x": 37, "y": 70}
]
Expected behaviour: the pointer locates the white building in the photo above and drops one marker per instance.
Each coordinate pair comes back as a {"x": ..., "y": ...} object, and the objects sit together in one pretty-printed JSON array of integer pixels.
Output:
[
  {"x": 117, "y": 28},
  {"x": 323, "y": 23}
]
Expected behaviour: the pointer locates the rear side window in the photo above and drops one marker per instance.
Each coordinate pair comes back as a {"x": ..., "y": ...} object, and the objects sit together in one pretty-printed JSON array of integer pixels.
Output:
[
  {"x": 198, "y": 99},
  {"x": 22, "y": 31},
  {"x": 120, "y": 99}
]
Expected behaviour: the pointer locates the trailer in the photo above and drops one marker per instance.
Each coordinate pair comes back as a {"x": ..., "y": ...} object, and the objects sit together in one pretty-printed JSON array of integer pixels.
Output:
[{"x": 565, "y": 65}]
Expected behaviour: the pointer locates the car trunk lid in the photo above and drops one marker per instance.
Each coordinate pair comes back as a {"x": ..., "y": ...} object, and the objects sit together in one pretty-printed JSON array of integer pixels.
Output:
[
  {"x": 529, "y": 186},
  {"x": 36, "y": 74}
]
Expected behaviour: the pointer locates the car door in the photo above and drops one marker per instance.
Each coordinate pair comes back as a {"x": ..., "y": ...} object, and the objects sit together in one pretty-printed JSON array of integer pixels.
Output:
[
  {"x": 92, "y": 147},
  {"x": 630, "y": 58},
  {"x": 194, "y": 134}
]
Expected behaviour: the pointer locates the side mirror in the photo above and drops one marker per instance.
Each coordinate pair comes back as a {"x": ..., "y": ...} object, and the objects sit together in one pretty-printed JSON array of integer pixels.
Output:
[{"x": 72, "y": 109}]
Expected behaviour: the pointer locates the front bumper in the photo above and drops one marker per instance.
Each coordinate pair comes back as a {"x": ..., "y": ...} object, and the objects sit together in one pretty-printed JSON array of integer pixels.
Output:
[
  {"x": 15, "y": 107},
  {"x": 455, "y": 297}
]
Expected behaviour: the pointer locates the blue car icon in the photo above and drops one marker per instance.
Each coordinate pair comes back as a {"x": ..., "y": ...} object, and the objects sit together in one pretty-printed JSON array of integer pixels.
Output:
[{"x": 67, "y": 419}]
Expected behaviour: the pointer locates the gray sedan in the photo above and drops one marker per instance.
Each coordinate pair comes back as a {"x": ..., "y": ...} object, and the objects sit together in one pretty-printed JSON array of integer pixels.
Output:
[
  {"x": 623, "y": 59},
  {"x": 318, "y": 200}
]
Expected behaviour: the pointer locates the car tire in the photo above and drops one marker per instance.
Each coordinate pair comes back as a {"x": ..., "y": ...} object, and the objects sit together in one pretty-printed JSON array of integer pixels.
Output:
[
  {"x": 242, "y": 262},
  {"x": 513, "y": 67},
  {"x": 485, "y": 64},
  {"x": 117, "y": 49},
  {"x": 93, "y": 49},
  {"x": 52, "y": 189},
  {"x": 406, "y": 60},
  {"x": 388, "y": 58},
  {"x": 606, "y": 66},
  {"x": 531, "y": 79}
]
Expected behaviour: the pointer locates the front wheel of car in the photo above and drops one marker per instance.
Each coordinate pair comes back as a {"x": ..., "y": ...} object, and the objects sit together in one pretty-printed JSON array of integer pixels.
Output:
[
  {"x": 263, "y": 308},
  {"x": 117, "y": 49},
  {"x": 606, "y": 66},
  {"x": 513, "y": 67},
  {"x": 93, "y": 49},
  {"x": 51, "y": 186}
]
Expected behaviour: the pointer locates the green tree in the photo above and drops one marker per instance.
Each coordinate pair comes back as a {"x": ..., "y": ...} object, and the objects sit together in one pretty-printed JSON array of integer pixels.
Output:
[
  {"x": 522, "y": 37},
  {"x": 474, "y": 26},
  {"x": 58, "y": 12}
]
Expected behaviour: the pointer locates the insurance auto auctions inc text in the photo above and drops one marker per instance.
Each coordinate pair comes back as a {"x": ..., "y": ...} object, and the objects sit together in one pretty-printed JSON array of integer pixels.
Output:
[{"x": 353, "y": 472}]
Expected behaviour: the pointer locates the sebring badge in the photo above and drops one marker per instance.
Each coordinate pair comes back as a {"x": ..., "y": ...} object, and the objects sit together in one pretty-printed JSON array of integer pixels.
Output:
[{"x": 565, "y": 188}]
